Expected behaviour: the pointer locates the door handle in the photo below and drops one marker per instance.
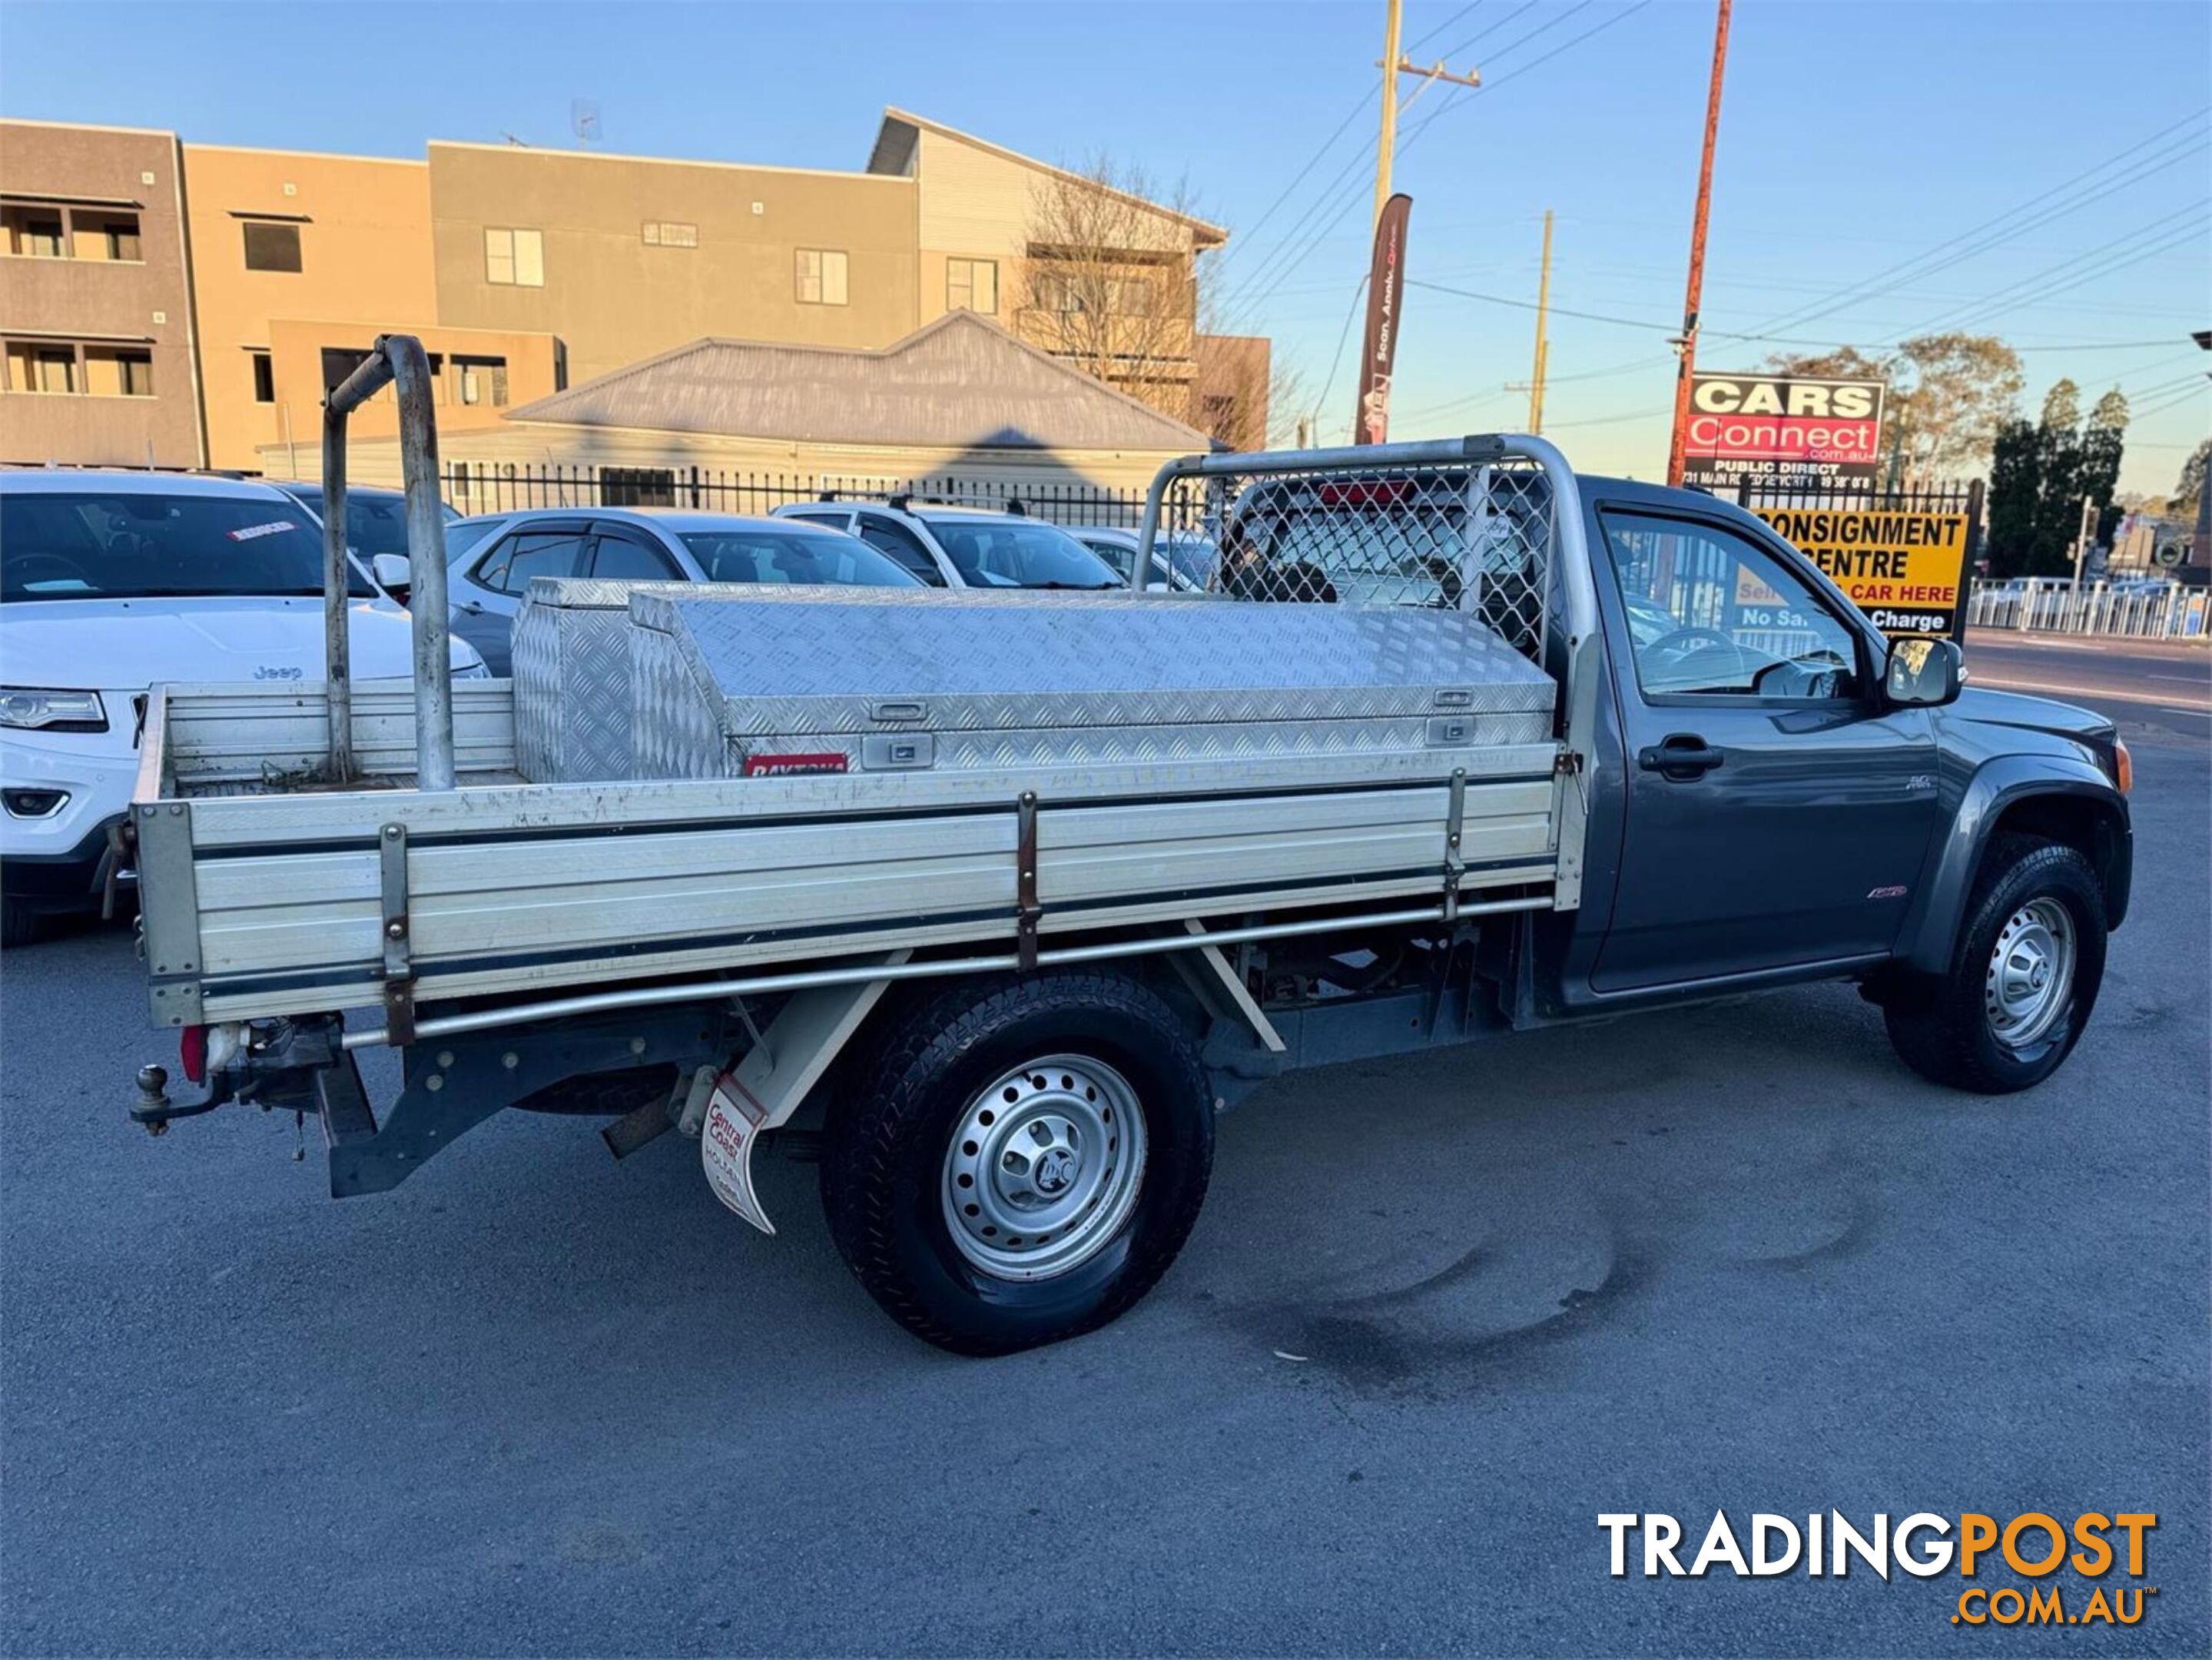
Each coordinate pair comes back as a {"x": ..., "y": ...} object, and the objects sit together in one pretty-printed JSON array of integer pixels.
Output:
[{"x": 1681, "y": 755}]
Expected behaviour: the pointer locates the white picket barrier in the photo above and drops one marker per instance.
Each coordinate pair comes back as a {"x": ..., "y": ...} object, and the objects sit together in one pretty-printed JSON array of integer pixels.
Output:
[{"x": 2094, "y": 608}]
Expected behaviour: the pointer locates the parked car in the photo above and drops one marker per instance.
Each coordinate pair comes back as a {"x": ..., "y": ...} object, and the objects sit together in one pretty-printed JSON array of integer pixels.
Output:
[
  {"x": 486, "y": 585},
  {"x": 112, "y": 583},
  {"x": 462, "y": 534},
  {"x": 950, "y": 547},
  {"x": 376, "y": 517},
  {"x": 1182, "y": 562}
]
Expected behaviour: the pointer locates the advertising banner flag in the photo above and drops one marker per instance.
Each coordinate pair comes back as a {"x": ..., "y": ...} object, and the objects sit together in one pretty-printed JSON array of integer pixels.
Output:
[
  {"x": 1783, "y": 432},
  {"x": 1378, "y": 345}
]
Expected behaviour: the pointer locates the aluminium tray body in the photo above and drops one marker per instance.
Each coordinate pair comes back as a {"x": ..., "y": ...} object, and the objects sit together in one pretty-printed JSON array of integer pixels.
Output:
[{"x": 736, "y": 681}]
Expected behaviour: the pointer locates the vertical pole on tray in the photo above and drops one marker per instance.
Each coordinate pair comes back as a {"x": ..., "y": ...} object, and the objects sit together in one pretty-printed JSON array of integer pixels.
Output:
[{"x": 338, "y": 666}]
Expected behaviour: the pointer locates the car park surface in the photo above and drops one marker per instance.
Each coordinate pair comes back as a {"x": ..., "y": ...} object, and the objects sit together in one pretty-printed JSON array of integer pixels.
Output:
[{"x": 1440, "y": 1313}]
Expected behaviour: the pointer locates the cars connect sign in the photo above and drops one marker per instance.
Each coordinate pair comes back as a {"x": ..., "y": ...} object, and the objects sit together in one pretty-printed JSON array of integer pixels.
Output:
[{"x": 1776, "y": 430}]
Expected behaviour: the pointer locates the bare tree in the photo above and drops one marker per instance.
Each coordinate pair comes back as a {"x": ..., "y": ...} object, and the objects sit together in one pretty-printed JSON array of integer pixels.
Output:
[
  {"x": 1948, "y": 394},
  {"x": 1112, "y": 282}
]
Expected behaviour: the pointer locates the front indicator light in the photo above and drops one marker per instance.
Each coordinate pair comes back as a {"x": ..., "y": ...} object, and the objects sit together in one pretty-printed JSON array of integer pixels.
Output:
[{"x": 2123, "y": 767}]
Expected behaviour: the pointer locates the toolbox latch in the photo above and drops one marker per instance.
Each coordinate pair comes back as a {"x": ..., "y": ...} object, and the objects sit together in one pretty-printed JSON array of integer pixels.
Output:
[{"x": 897, "y": 751}]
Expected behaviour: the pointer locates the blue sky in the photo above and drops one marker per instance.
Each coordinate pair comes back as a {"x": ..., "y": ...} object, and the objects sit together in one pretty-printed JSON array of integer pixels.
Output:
[{"x": 1855, "y": 137}]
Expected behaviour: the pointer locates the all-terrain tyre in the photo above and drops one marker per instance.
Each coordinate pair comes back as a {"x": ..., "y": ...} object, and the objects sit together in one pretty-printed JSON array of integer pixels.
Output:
[
  {"x": 2022, "y": 982},
  {"x": 1021, "y": 1159}
]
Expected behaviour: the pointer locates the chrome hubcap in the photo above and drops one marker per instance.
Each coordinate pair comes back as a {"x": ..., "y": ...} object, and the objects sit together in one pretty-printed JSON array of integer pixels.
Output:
[
  {"x": 1044, "y": 1167},
  {"x": 2030, "y": 979}
]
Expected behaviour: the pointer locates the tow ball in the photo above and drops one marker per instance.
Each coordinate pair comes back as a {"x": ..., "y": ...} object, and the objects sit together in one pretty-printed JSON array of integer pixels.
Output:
[{"x": 154, "y": 1109}]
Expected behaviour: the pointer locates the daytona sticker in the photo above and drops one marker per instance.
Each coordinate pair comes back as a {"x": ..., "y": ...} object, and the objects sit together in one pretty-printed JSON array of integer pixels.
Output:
[{"x": 784, "y": 766}]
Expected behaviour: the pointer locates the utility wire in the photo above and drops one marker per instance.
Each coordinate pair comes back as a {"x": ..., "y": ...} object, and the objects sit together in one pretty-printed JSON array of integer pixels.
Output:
[
  {"x": 1261, "y": 289},
  {"x": 1993, "y": 230}
]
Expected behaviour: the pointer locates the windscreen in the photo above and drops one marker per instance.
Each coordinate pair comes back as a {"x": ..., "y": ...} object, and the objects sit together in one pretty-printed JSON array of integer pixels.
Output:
[
  {"x": 375, "y": 522},
  {"x": 766, "y": 556},
  {"x": 1009, "y": 553},
  {"x": 92, "y": 546}
]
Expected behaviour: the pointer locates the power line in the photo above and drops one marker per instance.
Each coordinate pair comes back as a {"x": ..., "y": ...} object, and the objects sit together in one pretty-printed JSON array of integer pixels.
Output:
[
  {"x": 1261, "y": 288},
  {"x": 2102, "y": 262},
  {"x": 1918, "y": 265},
  {"x": 1246, "y": 237}
]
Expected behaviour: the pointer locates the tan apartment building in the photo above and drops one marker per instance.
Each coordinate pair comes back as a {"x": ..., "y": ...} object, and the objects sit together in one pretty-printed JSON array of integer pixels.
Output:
[
  {"x": 523, "y": 269},
  {"x": 301, "y": 260},
  {"x": 95, "y": 298}
]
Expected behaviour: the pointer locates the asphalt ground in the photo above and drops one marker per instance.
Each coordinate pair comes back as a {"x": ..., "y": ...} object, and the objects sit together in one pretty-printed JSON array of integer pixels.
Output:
[
  {"x": 2154, "y": 683},
  {"x": 1439, "y": 1315}
]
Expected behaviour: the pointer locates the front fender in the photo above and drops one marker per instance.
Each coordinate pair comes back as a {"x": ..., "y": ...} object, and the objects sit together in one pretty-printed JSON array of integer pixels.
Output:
[{"x": 2001, "y": 783}]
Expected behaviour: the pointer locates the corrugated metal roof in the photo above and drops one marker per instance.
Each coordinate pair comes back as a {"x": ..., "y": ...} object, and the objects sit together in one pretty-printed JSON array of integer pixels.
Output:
[{"x": 961, "y": 382}]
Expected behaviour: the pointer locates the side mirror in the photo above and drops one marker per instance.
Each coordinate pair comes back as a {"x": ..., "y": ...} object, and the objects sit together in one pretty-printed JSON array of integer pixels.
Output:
[
  {"x": 1922, "y": 673},
  {"x": 393, "y": 574}
]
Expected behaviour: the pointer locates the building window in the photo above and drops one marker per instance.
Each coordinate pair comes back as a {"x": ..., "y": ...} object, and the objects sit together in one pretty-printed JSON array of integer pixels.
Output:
[
  {"x": 271, "y": 245},
  {"x": 670, "y": 233},
  {"x": 56, "y": 369},
  {"x": 1132, "y": 296},
  {"x": 480, "y": 380},
  {"x": 122, "y": 240},
  {"x": 1056, "y": 291},
  {"x": 515, "y": 258},
  {"x": 637, "y": 487},
  {"x": 821, "y": 276},
  {"x": 41, "y": 239},
  {"x": 264, "y": 378},
  {"x": 971, "y": 285},
  {"x": 119, "y": 371}
]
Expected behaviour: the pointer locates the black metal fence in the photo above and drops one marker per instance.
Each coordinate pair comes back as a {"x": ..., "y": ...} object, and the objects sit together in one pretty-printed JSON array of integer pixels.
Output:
[{"x": 482, "y": 487}]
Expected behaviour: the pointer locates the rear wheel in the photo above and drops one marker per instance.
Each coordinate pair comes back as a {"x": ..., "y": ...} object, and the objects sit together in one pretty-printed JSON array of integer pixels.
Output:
[
  {"x": 19, "y": 923},
  {"x": 2029, "y": 962},
  {"x": 1021, "y": 1160}
]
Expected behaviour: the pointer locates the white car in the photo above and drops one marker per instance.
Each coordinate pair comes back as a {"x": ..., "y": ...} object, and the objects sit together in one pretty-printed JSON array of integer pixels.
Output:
[
  {"x": 1182, "y": 562},
  {"x": 112, "y": 583},
  {"x": 949, "y": 547}
]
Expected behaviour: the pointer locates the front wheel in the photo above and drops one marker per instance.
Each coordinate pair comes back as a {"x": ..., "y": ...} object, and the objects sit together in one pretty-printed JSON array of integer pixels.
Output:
[
  {"x": 2030, "y": 960},
  {"x": 1021, "y": 1160}
]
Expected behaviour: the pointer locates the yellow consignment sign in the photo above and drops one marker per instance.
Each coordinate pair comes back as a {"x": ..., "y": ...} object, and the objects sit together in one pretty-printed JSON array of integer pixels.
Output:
[{"x": 1905, "y": 570}]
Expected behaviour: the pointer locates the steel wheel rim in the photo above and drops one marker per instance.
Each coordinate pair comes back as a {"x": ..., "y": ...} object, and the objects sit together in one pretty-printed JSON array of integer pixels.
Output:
[
  {"x": 1044, "y": 1167},
  {"x": 2029, "y": 981}
]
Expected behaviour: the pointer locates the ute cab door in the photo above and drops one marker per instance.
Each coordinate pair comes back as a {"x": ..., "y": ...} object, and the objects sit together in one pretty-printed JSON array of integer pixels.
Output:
[{"x": 1779, "y": 813}]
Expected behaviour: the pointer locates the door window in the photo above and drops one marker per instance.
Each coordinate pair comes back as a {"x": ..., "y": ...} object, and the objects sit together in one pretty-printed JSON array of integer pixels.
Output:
[
  {"x": 888, "y": 536},
  {"x": 510, "y": 567},
  {"x": 622, "y": 560},
  {"x": 1711, "y": 614}
]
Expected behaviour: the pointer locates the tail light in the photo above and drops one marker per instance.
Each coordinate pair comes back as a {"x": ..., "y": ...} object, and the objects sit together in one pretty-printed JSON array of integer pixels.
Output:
[{"x": 192, "y": 1053}]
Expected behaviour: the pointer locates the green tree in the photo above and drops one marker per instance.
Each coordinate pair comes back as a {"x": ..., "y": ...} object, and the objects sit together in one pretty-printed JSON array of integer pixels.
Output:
[
  {"x": 2038, "y": 475},
  {"x": 2190, "y": 487},
  {"x": 1948, "y": 394},
  {"x": 2102, "y": 442},
  {"x": 2014, "y": 473}
]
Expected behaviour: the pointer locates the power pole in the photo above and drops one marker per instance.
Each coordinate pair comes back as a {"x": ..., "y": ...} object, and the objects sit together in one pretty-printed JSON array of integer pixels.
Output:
[
  {"x": 1678, "y": 449},
  {"x": 1393, "y": 63},
  {"x": 2085, "y": 537},
  {"x": 1543, "y": 346},
  {"x": 1387, "y": 148}
]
